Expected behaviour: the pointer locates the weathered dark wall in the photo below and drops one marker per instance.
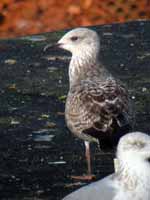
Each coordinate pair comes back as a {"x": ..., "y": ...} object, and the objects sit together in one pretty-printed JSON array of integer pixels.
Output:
[{"x": 37, "y": 152}]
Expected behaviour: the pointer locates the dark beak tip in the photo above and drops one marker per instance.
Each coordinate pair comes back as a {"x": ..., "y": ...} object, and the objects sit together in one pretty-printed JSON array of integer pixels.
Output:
[{"x": 51, "y": 46}]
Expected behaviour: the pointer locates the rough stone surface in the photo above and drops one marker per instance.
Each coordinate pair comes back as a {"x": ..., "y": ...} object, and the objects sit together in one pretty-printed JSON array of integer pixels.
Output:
[{"x": 37, "y": 152}]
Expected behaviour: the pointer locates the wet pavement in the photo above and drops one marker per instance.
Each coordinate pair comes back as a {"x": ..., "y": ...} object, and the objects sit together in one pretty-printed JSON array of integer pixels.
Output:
[{"x": 37, "y": 152}]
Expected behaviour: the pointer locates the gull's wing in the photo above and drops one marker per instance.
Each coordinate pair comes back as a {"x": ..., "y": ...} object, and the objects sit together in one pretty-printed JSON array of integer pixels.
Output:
[
  {"x": 100, "y": 190},
  {"x": 96, "y": 105}
]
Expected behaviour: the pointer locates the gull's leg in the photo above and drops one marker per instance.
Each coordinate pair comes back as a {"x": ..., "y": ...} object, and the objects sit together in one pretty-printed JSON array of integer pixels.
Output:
[
  {"x": 88, "y": 157},
  {"x": 89, "y": 175}
]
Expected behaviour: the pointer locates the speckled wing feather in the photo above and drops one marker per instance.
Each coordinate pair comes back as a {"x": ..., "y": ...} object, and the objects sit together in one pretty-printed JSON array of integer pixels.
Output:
[{"x": 96, "y": 105}]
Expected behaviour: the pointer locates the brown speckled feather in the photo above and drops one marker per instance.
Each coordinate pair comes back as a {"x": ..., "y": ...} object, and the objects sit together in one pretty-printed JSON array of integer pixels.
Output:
[{"x": 95, "y": 104}]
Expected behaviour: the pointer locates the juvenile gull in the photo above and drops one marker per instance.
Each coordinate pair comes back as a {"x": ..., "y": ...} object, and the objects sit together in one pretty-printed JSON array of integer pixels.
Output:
[
  {"x": 97, "y": 105},
  {"x": 131, "y": 181}
]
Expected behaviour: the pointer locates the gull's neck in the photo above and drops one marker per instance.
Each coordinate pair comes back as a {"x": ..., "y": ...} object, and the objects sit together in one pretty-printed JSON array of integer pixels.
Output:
[
  {"x": 83, "y": 65},
  {"x": 134, "y": 174}
]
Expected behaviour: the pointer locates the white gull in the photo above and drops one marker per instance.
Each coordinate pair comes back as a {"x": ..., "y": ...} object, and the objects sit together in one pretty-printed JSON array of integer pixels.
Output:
[{"x": 132, "y": 179}]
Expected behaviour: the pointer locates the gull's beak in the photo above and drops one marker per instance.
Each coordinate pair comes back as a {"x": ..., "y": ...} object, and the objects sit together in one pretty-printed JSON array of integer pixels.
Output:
[{"x": 51, "y": 46}]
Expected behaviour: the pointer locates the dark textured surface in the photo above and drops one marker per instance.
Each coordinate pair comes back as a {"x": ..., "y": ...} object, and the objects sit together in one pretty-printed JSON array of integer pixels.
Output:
[{"x": 37, "y": 152}]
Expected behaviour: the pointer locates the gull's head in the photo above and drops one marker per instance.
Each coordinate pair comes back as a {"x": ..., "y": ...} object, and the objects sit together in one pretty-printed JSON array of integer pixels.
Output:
[
  {"x": 80, "y": 40},
  {"x": 134, "y": 146}
]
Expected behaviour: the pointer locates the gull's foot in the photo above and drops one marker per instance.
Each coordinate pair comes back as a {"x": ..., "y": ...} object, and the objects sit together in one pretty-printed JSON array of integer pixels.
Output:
[{"x": 84, "y": 177}]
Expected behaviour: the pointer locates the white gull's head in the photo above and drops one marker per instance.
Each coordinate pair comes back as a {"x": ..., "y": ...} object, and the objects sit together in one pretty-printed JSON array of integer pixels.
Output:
[
  {"x": 84, "y": 44},
  {"x": 133, "y": 172},
  {"x": 134, "y": 146},
  {"x": 79, "y": 40}
]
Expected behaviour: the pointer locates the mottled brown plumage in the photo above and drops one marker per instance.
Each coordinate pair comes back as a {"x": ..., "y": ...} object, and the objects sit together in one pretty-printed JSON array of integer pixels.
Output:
[{"x": 97, "y": 104}]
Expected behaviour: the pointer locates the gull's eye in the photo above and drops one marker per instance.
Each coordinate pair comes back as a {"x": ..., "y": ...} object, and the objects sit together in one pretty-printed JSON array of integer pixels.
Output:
[{"x": 74, "y": 38}]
